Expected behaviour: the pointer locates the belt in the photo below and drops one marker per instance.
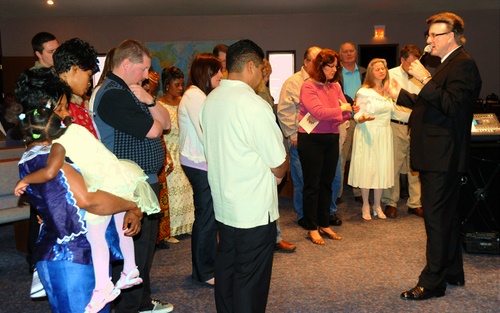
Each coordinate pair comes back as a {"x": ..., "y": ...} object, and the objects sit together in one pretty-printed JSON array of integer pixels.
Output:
[{"x": 399, "y": 122}]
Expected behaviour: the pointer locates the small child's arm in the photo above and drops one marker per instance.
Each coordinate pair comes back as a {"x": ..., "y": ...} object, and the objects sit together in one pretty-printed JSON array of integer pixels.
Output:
[{"x": 55, "y": 162}]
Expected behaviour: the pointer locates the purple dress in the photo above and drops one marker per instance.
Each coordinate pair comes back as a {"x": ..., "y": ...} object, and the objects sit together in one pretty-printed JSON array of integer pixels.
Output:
[
  {"x": 62, "y": 252},
  {"x": 62, "y": 233}
]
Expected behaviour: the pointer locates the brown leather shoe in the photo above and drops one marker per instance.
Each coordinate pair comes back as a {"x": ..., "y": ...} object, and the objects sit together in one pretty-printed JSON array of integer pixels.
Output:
[
  {"x": 284, "y": 247},
  {"x": 391, "y": 211},
  {"x": 417, "y": 211}
]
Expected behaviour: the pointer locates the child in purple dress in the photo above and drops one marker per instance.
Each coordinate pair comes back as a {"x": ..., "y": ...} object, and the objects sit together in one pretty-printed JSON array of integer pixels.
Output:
[{"x": 62, "y": 253}]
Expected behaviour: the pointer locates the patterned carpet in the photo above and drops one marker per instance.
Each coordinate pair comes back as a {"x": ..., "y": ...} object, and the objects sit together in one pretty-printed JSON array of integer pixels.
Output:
[{"x": 365, "y": 272}]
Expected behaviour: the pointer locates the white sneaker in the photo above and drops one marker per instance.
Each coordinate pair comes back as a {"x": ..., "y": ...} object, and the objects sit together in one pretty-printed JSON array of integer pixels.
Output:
[
  {"x": 159, "y": 307},
  {"x": 37, "y": 290}
]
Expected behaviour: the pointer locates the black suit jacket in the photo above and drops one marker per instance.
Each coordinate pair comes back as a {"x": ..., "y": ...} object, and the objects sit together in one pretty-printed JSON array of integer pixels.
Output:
[{"x": 441, "y": 119}]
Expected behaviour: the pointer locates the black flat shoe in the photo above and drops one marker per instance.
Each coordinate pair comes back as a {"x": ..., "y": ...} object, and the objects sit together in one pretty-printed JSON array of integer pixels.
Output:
[
  {"x": 302, "y": 223},
  {"x": 335, "y": 220},
  {"x": 421, "y": 293},
  {"x": 459, "y": 283},
  {"x": 162, "y": 245}
]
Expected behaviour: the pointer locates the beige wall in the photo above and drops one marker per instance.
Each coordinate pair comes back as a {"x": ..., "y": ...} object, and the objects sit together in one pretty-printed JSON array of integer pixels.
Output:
[{"x": 271, "y": 32}]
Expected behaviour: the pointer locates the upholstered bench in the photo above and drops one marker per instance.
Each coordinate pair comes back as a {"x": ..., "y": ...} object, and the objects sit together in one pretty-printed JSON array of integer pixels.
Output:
[{"x": 12, "y": 208}]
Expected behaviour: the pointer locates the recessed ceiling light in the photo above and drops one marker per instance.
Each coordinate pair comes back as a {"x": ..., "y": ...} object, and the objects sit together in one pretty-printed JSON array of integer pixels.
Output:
[{"x": 50, "y": 2}]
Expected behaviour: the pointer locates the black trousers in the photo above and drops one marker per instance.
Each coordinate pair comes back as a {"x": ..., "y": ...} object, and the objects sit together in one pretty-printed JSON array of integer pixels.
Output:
[
  {"x": 33, "y": 232},
  {"x": 243, "y": 266},
  {"x": 204, "y": 234},
  {"x": 440, "y": 193},
  {"x": 138, "y": 298},
  {"x": 318, "y": 155}
]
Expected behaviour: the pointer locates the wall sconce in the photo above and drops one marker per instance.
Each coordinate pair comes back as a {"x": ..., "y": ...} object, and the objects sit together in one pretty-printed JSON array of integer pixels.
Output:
[{"x": 379, "y": 31}]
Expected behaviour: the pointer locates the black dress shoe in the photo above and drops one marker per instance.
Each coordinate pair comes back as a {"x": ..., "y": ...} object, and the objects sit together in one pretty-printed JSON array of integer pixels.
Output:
[
  {"x": 162, "y": 245},
  {"x": 31, "y": 268},
  {"x": 421, "y": 293},
  {"x": 334, "y": 220},
  {"x": 459, "y": 283},
  {"x": 455, "y": 280},
  {"x": 302, "y": 223},
  {"x": 339, "y": 201}
]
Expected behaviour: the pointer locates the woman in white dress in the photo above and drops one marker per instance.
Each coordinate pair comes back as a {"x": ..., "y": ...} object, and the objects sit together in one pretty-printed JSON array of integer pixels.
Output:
[
  {"x": 372, "y": 152},
  {"x": 180, "y": 193}
]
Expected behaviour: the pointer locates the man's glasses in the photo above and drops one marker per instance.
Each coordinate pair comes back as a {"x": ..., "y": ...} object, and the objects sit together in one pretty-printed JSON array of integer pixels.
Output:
[{"x": 433, "y": 36}]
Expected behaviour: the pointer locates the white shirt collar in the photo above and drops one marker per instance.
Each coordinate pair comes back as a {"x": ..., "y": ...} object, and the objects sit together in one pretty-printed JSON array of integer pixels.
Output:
[{"x": 447, "y": 55}]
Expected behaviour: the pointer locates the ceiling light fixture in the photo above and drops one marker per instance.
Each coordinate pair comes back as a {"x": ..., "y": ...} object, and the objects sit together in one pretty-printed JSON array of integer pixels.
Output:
[{"x": 50, "y": 2}]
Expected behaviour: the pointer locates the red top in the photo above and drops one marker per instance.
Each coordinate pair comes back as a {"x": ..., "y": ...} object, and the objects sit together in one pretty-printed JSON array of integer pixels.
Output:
[{"x": 82, "y": 117}]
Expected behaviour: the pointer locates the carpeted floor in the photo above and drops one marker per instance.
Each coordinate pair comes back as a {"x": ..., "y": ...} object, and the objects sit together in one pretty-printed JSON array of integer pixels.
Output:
[{"x": 365, "y": 272}]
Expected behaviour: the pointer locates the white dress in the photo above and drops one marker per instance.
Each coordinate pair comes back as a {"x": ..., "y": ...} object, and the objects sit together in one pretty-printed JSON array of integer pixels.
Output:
[
  {"x": 102, "y": 170},
  {"x": 372, "y": 160}
]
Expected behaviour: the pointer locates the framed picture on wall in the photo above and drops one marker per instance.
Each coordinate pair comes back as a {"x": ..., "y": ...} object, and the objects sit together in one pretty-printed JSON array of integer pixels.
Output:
[{"x": 283, "y": 65}]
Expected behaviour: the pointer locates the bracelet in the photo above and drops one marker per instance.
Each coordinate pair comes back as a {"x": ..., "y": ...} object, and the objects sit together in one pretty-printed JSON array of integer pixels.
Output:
[
  {"x": 152, "y": 104},
  {"x": 423, "y": 79}
]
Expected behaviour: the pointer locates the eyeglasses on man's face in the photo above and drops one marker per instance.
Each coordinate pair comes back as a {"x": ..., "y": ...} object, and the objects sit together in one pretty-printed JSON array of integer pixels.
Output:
[{"x": 433, "y": 36}]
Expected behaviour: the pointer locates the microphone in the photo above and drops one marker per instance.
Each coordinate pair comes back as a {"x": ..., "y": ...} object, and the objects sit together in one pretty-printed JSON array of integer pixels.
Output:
[{"x": 427, "y": 50}]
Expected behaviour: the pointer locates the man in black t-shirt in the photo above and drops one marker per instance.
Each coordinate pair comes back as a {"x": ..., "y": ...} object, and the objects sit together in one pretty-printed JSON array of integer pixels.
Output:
[{"x": 130, "y": 124}]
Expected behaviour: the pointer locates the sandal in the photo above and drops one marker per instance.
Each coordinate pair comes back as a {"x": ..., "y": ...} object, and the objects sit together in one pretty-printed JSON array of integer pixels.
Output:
[
  {"x": 319, "y": 241},
  {"x": 102, "y": 297},
  {"x": 129, "y": 280},
  {"x": 332, "y": 235}
]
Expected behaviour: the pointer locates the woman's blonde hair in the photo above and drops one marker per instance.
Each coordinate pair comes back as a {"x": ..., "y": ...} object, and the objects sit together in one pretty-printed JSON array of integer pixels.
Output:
[{"x": 370, "y": 78}]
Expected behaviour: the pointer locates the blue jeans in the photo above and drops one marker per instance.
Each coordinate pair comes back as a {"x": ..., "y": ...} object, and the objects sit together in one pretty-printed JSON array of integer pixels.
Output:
[
  {"x": 336, "y": 184},
  {"x": 68, "y": 285},
  {"x": 298, "y": 183}
]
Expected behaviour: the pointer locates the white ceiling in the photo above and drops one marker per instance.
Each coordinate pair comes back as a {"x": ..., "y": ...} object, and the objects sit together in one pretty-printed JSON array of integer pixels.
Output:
[{"x": 39, "y": 8}]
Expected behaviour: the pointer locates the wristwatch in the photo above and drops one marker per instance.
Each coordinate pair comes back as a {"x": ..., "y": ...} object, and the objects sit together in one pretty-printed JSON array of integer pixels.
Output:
[
  {"x": 423, "y": 79},
  {"x": 152, "y": 104}
]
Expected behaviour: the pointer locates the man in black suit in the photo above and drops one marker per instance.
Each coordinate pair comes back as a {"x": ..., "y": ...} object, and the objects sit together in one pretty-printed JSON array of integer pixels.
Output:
[{"x": 440, "y": 137}]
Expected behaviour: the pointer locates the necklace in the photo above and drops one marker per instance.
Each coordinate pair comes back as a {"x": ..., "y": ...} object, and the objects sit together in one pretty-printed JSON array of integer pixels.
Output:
[
  {"x": 170, "y": 100},
  {"x": 380, "y": 91}
]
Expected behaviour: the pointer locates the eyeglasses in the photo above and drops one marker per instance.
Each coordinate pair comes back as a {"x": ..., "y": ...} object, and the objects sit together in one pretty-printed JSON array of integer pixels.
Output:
[
  {"x": 332, "y": 66},
  {"x": 433, "y": 36}
]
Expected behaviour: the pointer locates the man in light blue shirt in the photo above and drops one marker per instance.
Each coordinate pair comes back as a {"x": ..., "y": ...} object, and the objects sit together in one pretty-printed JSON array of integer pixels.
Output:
[{"x": 351, "y": 79}]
